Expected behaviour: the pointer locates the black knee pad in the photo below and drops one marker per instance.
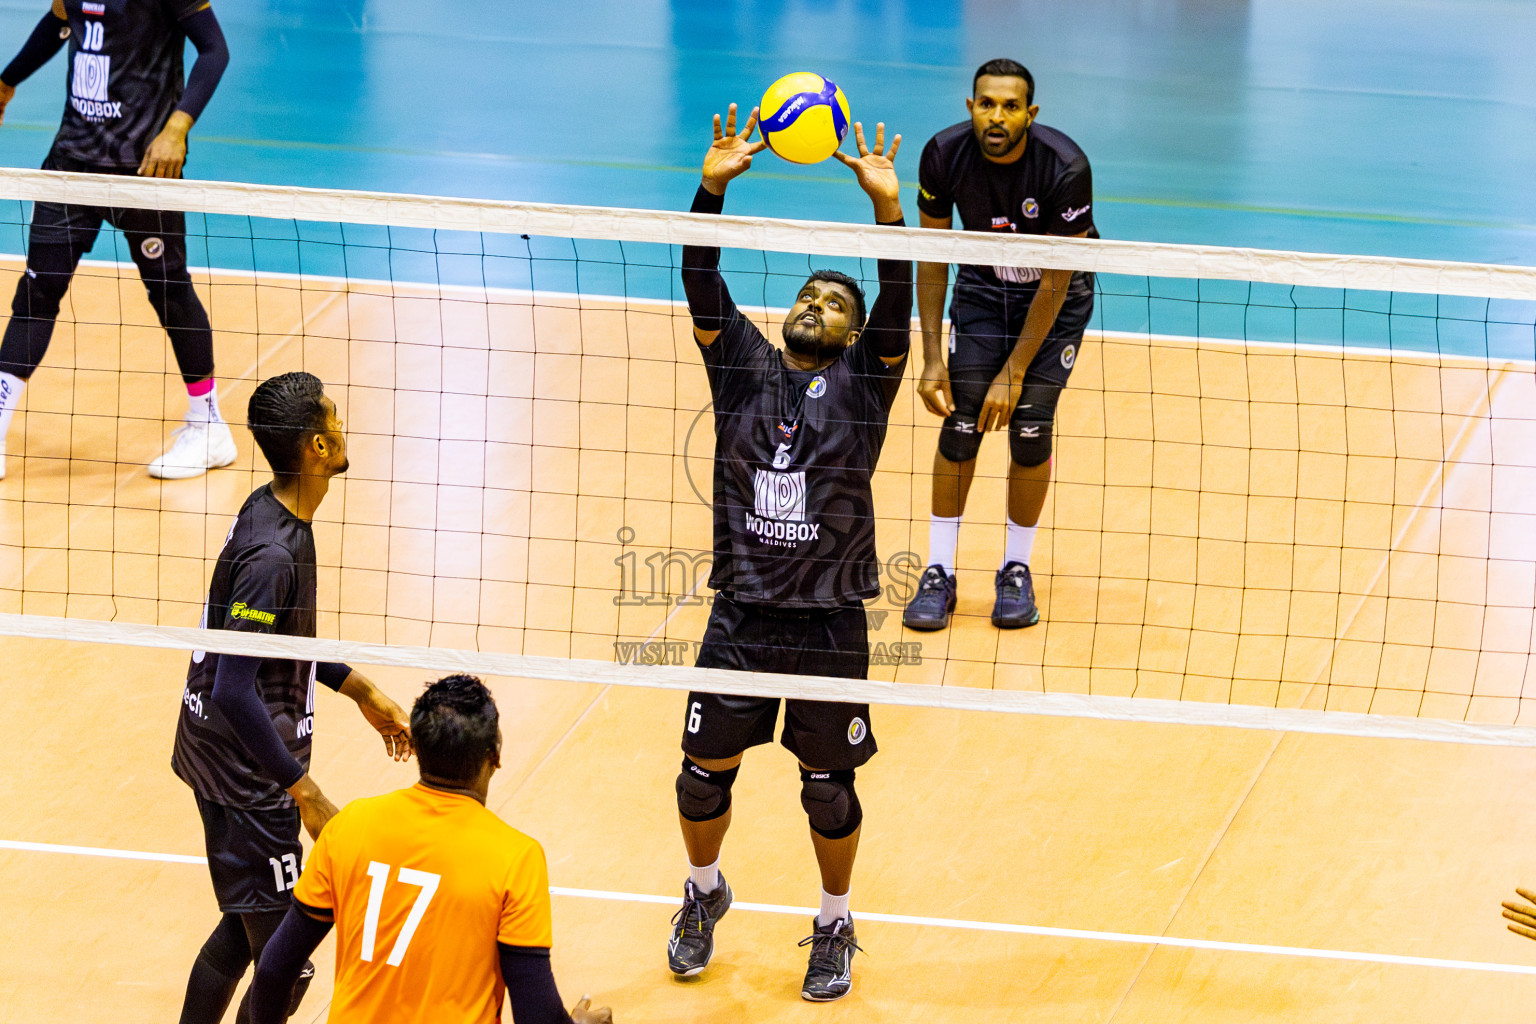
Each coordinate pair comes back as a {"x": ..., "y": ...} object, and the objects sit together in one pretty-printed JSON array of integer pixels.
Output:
[
  {"x": 1029, "y": 441},
  {"x": 301, "y": 986},
  {"x": 227, "y": 950},
  {"x": 831, "y": 803},
  {"x": 703, "y": 795},
  {"x": 959, "y": 440},
  {"x": 39, "y": 295}
]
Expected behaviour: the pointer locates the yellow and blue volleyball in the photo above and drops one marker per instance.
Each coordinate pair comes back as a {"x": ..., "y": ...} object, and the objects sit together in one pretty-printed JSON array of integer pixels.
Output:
[{"x": 804, "y": 117}]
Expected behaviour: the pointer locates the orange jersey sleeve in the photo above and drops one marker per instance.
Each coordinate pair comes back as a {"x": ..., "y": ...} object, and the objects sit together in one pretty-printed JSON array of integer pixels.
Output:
[
  {"x": 315, "y": 888},
  {"x": 526, "y": 917}
]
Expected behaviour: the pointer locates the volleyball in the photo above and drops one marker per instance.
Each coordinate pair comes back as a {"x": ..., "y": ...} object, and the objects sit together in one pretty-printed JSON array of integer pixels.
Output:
[{"x": 804, "y": 117}]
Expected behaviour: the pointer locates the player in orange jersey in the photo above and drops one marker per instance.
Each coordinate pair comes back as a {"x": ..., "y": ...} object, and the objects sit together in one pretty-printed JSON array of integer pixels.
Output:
[{"x": 440, "y": 907}]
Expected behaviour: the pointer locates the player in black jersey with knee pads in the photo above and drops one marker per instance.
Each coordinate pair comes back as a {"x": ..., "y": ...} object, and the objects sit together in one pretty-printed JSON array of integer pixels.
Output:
[
  {"x": 798, "y": 431},
  {"x": 1014, "y": 333}
]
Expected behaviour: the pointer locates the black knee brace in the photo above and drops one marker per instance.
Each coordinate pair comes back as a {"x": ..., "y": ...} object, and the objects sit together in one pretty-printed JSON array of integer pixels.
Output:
[
  {"x": 1029, "y": 441},
  {"x": 831, "y": 803},
  {"x": 703, "y": 795},
  {"x": 959, "y": 440},
  {"x": 227, "y": 951}
]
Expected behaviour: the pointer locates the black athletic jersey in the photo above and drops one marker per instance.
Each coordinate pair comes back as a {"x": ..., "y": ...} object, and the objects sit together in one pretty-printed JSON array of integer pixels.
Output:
[
  {"x": 1047, "y": 191},
  {"x": 125, "y": 76},
  {"x": 794, "y": 453},
  {"x": 263, "y": 582}
]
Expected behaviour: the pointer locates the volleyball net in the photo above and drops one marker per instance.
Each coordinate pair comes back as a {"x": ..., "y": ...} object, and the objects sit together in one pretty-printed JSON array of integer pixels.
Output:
[{"x": 1290, "y": 491}]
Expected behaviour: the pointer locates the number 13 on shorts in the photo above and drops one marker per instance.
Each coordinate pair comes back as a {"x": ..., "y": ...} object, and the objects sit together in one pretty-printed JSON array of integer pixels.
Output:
[{"x": 378, "y": 878}]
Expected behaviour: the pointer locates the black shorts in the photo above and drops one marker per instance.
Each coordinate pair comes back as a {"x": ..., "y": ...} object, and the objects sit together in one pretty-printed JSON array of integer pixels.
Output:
[
  {"x": 829, "y": 735},
  {"x": 984, "y": 327},
  {"x": 157, "y": 239},
  {"x": 254, "y": 857}
]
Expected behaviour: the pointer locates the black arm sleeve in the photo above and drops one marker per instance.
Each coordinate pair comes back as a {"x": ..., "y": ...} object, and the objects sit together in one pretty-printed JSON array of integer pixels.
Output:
[
  {"x": 281, "y": 962},
  {"x": 708, "y": 299},
  {"x": 234, "y": 694},
  {"x": 530, "y": 985},
  {"x": 331, "y": 674},
  {"x": 888, "y": 332},
  {"x": 45, "y": 41},
  {"x": 212, "y": 58}
]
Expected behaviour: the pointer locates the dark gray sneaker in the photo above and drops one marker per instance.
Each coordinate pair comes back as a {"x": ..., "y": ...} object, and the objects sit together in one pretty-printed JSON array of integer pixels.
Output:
[
  {"x": 934, "y": 603},
  {"x": 1015, "y": 604},
  {"x": 693, "y": 928},
  {"x": 830, "y": 974}
]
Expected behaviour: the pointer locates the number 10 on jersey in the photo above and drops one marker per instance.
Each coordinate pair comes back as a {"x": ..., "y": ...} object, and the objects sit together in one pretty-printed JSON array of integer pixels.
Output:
[{"x": 379, "y": 877}]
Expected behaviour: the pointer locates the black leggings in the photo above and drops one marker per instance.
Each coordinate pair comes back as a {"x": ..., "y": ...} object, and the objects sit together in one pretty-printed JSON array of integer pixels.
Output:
[
  {"x": 235, "y": 944},
  {"x": 61, "y": 234}
]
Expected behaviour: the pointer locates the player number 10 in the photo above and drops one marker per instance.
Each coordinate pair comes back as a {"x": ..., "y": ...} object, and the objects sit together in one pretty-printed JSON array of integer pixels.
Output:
[{"x": 379, "y": 875}]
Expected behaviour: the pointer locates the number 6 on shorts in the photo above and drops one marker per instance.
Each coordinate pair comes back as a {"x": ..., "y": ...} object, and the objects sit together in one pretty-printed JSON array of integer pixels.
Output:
[{"x": 693, "y": 717}]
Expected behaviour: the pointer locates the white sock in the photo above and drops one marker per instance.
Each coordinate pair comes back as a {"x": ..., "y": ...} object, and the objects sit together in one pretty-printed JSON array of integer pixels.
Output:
[
  {"x": 1020, "y": 542},
  {"x": 832, "y": 907},
  {"x": 943, "y": 538},
  {"x": 706, "y": 879},
  {"x": 204, "y": 408},
  {"x": 11, "y": 387}
]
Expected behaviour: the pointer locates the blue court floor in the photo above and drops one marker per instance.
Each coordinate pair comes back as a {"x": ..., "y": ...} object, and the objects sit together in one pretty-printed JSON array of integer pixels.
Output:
[{"x": 1373, "y": 126}]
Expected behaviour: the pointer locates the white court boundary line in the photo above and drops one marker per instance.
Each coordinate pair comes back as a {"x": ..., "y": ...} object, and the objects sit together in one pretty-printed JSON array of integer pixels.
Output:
[
  {"x": 769, "y": 684},
  {"x": 1109, "y": 256},
  {"x": 1174, "y": 942}
]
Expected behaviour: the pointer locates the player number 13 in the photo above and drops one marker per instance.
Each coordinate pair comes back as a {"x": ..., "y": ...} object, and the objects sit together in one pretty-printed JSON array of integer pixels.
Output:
[{"x": 379, "y": 877}]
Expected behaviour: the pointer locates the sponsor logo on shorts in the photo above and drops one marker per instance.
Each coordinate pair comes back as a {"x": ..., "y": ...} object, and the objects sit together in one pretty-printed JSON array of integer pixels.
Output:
[
  {"x": 817, "y": 387},
  {"x": 924, "y": 193},
  {"x": 245, "y": 613},
  {"x": 152, "y": 248},
  {"x": 1068, "y": 356},
  {"x": 1069, "y": 214},
  {"x": 1001, "y": 223},
  {"x": 857, "y": 730},
  {"x": 89, "y": 8},
  {"x": 1031, "y": 209}
]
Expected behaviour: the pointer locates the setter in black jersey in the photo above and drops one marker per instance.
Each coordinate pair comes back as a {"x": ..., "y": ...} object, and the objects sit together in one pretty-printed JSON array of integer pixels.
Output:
[{"x": 798, "y": 432}]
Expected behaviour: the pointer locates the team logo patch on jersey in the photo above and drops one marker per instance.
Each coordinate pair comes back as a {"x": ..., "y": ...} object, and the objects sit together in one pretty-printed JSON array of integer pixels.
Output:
[
  {"x": 778, "y": 499},
  {"x": 152, "y": 248},
  {"x": 817, "y": 387},
  {"x": 91, "y": 72},
  {"x": 857, "y": 730},
  {"x": 1031, "y": 209},
  {"x": 779, "y": 496},
  {"x": 1068, "y": 356},
  {"x": 245, "y": 613}
]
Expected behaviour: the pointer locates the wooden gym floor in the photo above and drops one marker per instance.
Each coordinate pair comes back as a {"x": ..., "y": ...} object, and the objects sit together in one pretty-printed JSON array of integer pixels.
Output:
[{"x": 1220, "y": 561}]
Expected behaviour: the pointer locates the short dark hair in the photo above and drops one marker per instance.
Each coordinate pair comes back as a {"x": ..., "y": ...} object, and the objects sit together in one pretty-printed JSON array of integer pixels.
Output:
[
  {"x": 284, "y": 412},
  {"x": 838, "y": 277},
  {"x": 454, "y": 728},
  {"x": 1005, "y": 68}
]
